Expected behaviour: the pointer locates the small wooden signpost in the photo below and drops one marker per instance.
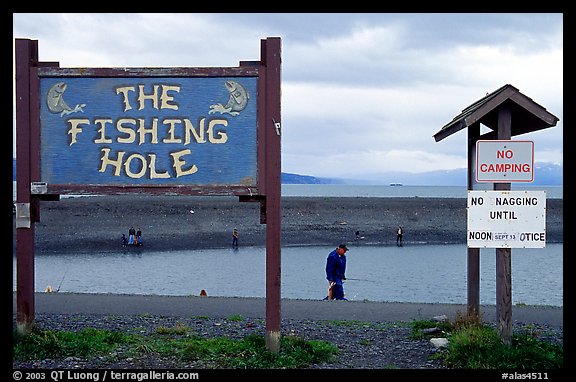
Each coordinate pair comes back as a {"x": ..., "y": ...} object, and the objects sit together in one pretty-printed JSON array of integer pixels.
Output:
[{"x": 507, "y": 113}]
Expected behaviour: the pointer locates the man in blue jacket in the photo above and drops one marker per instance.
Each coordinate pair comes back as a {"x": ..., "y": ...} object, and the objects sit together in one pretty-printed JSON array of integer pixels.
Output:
[{"x": 336, "y": 272}]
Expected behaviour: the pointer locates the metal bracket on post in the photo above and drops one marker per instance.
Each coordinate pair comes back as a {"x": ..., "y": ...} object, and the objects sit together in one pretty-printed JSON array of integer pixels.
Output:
[
  {"x": 37, "y": 188},
  {"x": 277, "y": 126},
  {"x": 23, "y": 215},
  {"x": 256, "y": 198}
]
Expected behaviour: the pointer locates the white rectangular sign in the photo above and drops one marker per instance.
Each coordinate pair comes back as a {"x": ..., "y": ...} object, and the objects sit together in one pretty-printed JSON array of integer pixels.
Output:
[
  {"x": 506, "y": 219},
  {"x": 504, "y": 161}
]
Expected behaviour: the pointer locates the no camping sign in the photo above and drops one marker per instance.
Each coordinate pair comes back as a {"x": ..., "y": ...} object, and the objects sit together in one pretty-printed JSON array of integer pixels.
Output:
[{"x": 504, "y": 161}]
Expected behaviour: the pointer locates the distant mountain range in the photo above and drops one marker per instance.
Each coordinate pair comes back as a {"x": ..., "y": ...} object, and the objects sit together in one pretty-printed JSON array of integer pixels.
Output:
[
  {"x": 545, "y": 174},
  {"x": 288, "y": 178}
]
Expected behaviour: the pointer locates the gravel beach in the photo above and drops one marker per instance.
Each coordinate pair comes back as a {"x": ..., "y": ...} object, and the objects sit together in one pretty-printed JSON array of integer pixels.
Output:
[
  {"x": 369, "y": 335},
  {"x": 195, "y": 222}
]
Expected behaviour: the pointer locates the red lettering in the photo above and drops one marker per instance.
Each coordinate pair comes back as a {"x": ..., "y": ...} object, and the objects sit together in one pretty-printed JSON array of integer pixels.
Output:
[
  {"x": 505, "y": 167},
  {"x": 508, "y": 154}
]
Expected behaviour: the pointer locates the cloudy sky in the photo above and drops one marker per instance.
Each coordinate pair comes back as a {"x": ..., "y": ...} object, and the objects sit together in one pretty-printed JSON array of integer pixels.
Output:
[{"x": 362, "y": 94}]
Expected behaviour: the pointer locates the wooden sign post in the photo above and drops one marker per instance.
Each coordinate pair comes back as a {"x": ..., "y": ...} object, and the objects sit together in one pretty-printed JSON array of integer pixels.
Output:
[
  {"x": 178, "y": 131},
  {"x": 508, "y": 113}
]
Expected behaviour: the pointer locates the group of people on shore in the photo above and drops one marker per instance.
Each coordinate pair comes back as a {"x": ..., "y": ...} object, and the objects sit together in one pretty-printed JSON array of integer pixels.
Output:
[
  {"x": 134, "y": 237},
  {"x": 399, "y": 236}
]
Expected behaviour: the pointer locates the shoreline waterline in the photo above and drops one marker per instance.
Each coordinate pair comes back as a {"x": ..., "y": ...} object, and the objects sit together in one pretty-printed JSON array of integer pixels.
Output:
[
  {"x": 420, "y": 273},
  {"x": 254, "y": 307}
]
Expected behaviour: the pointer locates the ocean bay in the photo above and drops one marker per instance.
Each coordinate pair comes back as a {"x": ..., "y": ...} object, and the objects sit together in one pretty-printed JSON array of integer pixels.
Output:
[
  {"x": 386, "y": 191},
  {"x": 416, "y": 272},
  {"x": 412, "y": 273}
]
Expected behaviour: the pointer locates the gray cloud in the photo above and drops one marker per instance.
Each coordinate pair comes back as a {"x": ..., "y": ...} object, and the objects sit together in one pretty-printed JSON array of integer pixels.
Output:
[{"x": 361, "y": 93}]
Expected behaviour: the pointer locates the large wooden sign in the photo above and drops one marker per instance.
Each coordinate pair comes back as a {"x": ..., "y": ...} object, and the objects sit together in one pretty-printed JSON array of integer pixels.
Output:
[
  {"x": 152, "y": 129},
  {"x": 186, "y": 131},
  {"x": 148, "y": 131}
]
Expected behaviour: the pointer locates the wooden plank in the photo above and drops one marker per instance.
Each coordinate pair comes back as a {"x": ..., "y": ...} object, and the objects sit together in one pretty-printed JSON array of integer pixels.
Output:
[
  {"x": 539, "y": 111},
  {"x": 504, "y": 255},
  {"x": 26, "y": 53},
  {"x": 473, "y": 254},
  {"x": 79, "y": 189},
  {"x": 272, "y": 62},
  {"x": 243, "y": 71}
]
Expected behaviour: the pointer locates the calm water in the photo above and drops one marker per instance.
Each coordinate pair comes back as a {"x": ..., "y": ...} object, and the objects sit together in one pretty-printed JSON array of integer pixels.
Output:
[
  {"x": 420, "y": 273},
  {"x": 345, "y": 190}
]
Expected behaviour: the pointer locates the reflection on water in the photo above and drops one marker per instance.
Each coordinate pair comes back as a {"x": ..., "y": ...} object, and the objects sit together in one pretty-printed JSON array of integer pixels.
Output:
[{"x": 421, "y": 273}]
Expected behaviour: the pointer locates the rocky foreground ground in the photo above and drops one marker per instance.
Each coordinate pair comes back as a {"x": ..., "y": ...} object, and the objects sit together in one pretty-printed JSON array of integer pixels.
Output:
[{"x": 362, "y": 345}]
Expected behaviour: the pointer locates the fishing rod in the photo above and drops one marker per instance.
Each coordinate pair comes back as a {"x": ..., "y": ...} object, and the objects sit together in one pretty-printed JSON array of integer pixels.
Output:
[
  {"x": 350, "y": 278},
  {"x": 61, "y": 281}
]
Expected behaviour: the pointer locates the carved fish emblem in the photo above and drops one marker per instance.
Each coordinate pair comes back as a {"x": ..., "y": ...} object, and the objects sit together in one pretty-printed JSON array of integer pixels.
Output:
[
  {"x": 237, "y": 101},
  {"x": 56, "y": 103}
]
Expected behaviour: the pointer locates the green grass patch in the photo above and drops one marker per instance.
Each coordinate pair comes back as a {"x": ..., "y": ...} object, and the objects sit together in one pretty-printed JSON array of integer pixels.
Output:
[
  {"x": 178, "y": 329},
  {"x": 201, "y": 317},
  {"x": 41, "y": 344},
  {"x": 481, "y": 348},
  {"x": 418, "y": 327},
  {"x": 249, "y": 352},
  {"x": 472, "y": 345}
]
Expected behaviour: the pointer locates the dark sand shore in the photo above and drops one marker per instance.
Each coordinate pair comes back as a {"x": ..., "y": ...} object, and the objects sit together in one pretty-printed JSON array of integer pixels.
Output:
[{"x": 193, "y": 222}]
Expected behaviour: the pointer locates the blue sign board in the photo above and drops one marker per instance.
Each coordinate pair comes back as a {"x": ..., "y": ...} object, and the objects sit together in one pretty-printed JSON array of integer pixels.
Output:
[{"x": 170, "y": 131}]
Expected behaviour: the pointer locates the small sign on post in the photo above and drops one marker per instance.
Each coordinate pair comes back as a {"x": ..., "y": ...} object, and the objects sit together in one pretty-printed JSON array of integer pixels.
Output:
[
  {"x": 506, "y": 219},
  {"x": 504, "y": 161}
]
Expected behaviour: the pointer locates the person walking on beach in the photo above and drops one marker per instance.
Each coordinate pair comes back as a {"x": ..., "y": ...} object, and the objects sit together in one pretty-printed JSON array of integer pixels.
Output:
[
  {"x": 235, "y": 238},
  {"x": 139, "y": 236},
  {"x": 336, "y": 273},
  {"x": 131, "y": 235},
  {"x": 399, "y": 234}
]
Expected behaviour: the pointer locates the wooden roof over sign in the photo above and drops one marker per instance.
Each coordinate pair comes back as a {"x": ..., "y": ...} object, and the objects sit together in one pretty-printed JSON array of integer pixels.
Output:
[{"x": 527, "y": 115}]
